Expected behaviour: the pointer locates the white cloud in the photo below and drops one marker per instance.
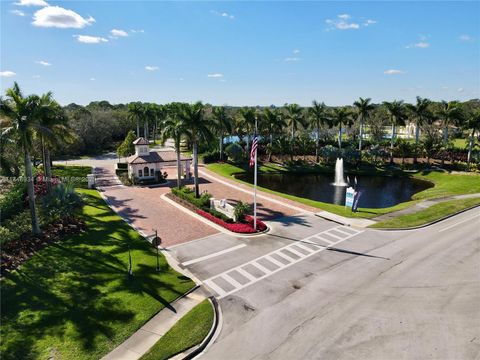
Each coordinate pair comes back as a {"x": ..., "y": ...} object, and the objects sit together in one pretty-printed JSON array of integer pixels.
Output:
[
  {"x": 341, "y": 23},
  {"x": 31, "y": 3},
  {"x": 133, "y": 31},
  {"x": 7, "y": 73},
  {"x": 393, "y": 72},
  {"x": 215, "y": 75},
  {"x": 296, "y": 51},
  {"x": 291, "y": 59},
  {"x": 151, "y": 68},
  {"x": 118, "y": 33},
  {"x": 421, "y": 45},
  {"x": 444, "y": 88},
  {"x": 223, "y": 14},
  {"x": 36, "y": 76},
  {"x": 56, "y": 16},
  {"x": 43, "y": 63},
  {"x": 466, "y": 37},
  {"x": 460, "y": 90},
  {"x": 92, "y": 79},
  {"x": 369, "y": 22},
  {"x": 18, "y": 12},
  {"x": 181, "y": 79},
  {"x": 87, "y": 39}
]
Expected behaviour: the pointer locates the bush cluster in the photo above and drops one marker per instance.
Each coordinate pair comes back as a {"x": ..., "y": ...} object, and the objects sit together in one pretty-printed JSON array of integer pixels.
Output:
[
  {"x": 211, "y": 157},
  {"x": 15, "y": 227},
  {"x": 188, "y": 194},
  {"x": 242, "y": 228},
  {"x": 13, "y": 202}
]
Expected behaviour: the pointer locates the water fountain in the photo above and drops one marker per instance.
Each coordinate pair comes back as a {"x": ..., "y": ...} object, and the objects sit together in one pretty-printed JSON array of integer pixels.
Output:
[{"x": 339, "y": 176}]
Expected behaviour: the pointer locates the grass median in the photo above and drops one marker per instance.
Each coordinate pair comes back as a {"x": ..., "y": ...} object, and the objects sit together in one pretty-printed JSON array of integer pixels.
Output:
[
  {"x": 430, "y": 214},
  {"x": 189, "y": 331},
  {"x": 74, "y": 299}
]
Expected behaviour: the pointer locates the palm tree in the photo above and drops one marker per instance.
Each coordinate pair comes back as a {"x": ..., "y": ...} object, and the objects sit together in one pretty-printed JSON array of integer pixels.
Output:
[
  {"x": 450, "y": 113},
  {"x": 364, "y": 108},
  {"x": 472, "y": 123},
  {"x": 175, "y": 129},
  {"x": 421, "y": 113},
  {"x": 319, "y": 116},
  {"x": 193, "y": 119},
  {"x": 136, "y": 113},
  {"x": 22, "y": 113},
  {"x": 397, "y": 114},
  {"x": 272, "y": 122},
  {"x": 294, "y": 117},
  {"x": 52, "y": 125},
  {"x": 222, "y": 124},
  {"x": 247, "y": 116},
  {"x": 341, "y": 116}
]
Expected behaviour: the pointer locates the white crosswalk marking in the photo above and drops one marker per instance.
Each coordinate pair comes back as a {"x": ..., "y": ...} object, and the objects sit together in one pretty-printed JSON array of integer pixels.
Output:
[{"x": 296, "y": 256}]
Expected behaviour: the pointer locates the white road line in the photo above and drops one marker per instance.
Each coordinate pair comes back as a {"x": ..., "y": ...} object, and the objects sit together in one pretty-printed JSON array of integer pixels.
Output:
[
  {"x": 218, "y": 253},
  {"x": 231, "y": 280},
  {"x": 275, "y": 261},
  {"x": 261, "y": 267},
  {"x": 215, "y": 287},
  {"x": 252, "y": 279},
  {"x": 323, "y": 239},
  {"x": 245, "y": 274},
  {"x": 458, "y": 223},
  {"x": 301, "y": 246},
  {"x": 342, "y": 232},
  {"x": 335, "y": 236},
  {"x": 298, "y": 253}
]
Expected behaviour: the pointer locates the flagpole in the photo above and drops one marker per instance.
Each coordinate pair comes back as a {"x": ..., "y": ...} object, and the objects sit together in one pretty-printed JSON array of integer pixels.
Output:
[{"x": 255, "y": 183}]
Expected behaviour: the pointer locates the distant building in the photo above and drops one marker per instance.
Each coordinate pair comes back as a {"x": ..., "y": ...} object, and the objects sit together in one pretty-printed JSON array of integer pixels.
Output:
[{"x": 146, "y": 164}]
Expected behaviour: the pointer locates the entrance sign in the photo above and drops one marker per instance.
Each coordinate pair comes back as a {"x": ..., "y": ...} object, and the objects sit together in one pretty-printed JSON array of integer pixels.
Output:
[{"x": 349, "y": 194}]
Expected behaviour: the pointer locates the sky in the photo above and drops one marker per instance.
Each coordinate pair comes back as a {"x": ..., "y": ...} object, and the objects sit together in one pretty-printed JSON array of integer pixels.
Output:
[{"x": 241, "y": 53}]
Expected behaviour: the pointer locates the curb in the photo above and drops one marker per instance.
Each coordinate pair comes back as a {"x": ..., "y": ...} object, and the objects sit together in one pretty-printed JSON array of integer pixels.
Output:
[
  {"x": 335, "y": 221},
  {"x": 211, "y": 223},
  {"x": 425, "y": 225},
  {"x": 198, "y": 350}
]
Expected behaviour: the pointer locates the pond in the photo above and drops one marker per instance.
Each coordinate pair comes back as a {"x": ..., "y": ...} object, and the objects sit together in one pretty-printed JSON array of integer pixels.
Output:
[{"x": 377, "y": 191}]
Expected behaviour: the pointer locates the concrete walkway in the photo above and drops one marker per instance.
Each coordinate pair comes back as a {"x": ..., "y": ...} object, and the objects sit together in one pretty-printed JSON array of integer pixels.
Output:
[
  {"x": 422, "y": 205},
  {"x": 144, "y": 338}
]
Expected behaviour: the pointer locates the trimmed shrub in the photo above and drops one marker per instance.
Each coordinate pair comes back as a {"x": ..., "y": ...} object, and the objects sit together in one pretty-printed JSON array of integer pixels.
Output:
[
  {"x": 234, "y": 152},
  {"x": 15, "y": 227},
  {"x": 122, "y": 165},
  {"x": 61, "y": 202},
  {"x": 242, "y": 228},
  {"x": 211, "y": 157},
  {"x": 240, "y": 210},
  {"x": 13, "y": 202},
  {"x": 188, "y": 194}
]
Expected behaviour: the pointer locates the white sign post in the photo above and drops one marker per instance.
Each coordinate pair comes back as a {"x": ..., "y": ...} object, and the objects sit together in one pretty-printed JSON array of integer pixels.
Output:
[{"x": 349, "y": 195}]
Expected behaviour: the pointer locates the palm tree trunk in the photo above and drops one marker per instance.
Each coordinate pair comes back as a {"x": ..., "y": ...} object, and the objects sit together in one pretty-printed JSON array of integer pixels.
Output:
[
  {"x": 138, "y": 128},
  {"x": 445, "y": 135},
  {"x": 361, "y": 135},
  {"x": 179, "y": 166},
  {"x": 470, "y": 146},
  {"x": 317, "y": 144},
  {"x": 221, "y": 146},
  {"x": 31, "y": 194},
  {"x": 392, "y": 141},
  {"x": 417, "y": 140},
  {"x": 340, "y": 136},
  {"x": 195, "y": 169},
  {"x": 271, "y": 148},
  {"x": 48, "y": 169}
]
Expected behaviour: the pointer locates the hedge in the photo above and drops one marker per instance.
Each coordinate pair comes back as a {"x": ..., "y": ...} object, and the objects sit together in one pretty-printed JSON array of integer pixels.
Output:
[
  {"x": 13, "y": 202},
  {"x": 242, "y": 228},
  {"x": 188, "y": 194}
]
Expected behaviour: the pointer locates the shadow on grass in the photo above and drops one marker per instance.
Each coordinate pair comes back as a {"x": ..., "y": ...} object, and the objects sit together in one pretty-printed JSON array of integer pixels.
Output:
[{"x": 74, "y": 299}]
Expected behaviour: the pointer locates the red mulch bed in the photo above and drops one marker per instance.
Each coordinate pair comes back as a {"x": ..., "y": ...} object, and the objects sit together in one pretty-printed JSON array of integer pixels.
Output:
[
  {"x": 15, "y": 253},
  {"x": 241, "y": 228}
]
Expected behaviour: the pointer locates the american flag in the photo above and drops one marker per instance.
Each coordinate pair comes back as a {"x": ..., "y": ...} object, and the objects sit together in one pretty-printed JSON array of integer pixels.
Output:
[{"x": 253, "y": 150}]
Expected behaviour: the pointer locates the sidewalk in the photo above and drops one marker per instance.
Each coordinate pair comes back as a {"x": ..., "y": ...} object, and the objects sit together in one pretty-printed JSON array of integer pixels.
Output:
[
  {"x": 141, "y": 341},
  {"x": 422, "y": 205}
]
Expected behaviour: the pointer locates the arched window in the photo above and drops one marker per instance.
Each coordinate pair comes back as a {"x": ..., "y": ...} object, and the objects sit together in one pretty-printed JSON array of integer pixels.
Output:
[
  {"x": 139, "y": 173},
  {"x": 145, "y": 170}
]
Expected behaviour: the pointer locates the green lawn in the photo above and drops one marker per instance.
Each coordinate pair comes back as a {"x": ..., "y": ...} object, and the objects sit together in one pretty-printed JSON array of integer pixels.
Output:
[
  {"x": 77, "y": 174},
  {"x": 74, "y": 300},
  {"x": 189, "y": 331},
  {"x": 428, "y": 215},
  {"x": 445, "y": 185}
]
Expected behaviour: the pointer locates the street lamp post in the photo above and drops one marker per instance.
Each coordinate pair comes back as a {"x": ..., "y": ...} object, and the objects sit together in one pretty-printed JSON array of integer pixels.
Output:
[{"x": 156, "y": 241}]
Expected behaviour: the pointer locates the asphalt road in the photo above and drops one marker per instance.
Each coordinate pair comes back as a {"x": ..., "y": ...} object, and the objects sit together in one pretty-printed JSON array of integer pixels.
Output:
[{"x": 364, "y": 294}]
